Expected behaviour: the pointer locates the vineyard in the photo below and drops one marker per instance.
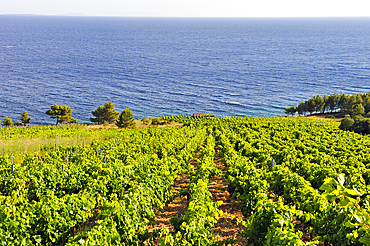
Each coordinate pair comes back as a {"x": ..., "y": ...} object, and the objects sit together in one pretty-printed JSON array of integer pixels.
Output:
[{"x": 295, "y": 181}]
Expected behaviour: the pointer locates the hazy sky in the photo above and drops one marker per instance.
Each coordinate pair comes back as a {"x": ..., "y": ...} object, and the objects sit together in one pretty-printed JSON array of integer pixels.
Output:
[{"x": 190, "y": 8}]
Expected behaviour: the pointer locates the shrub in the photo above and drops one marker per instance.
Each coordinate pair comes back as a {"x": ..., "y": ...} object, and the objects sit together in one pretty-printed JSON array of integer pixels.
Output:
[
  {"x": 105, "y": 113},
  {"x": 63, "y": 114},
  {"x": 145, "y": 121},
  {"x": 357, "y": 117},
  {"x": 126, "y": 119},
  {"x": 25, "y": 118},
  {"x": 18, "y": 123},
  {"x": 156, "y": 121},
  {"x": 346, "y": 123},
  {"x": 362, "y": 125},
  {"x": 7, "y": 122}
]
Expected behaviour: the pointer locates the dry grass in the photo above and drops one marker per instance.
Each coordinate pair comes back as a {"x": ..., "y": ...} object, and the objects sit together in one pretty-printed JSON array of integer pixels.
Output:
[
  {"x": 101, "y": 127},
  {"x": 18, "y": 147},
  {"x": 320, "y": 117},
  {"x": 139, "y": 124},
  {"x": 42, "y": 144}
]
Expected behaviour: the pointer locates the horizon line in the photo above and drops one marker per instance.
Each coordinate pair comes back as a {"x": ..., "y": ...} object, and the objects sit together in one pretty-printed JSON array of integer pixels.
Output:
[{"x": 135, "y": 16}]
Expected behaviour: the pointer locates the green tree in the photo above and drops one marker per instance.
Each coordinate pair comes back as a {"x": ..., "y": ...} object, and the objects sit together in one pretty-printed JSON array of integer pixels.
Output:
[
  {"x": 319, "y": 103},
  {"x": 209, "y": 115},
  {"x": 291, "y": 110},
  {"x": 349, "y": 103},
  {"x": 105, "y": 113},
  {"x": 366, "y": 103},
  {"x": 341, "y": 100},
  {"x": 362, "y": 125},
  {"x": 305, "y": 107},
  {"x": 7, "y": 122},
  {"x": 126, "y": 119},
  {"x": 63, "y": 114},
  {"x": 24, "y": 118},
  {"x": 167, "y": 121},
  {"x": 311, "y": 105},
  {"x": 333, "y": 101},
  {"x": 326, "y": 103},
  {"x": 301, "y": 108},
  {"x": 359, "y": 98},
  {"x": 358, "y": 109},
  {"x": 346, "y": 123}
]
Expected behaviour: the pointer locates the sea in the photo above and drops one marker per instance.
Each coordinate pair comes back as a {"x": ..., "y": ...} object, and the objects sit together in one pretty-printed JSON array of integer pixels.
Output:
[{"x": 168, "y": 66}]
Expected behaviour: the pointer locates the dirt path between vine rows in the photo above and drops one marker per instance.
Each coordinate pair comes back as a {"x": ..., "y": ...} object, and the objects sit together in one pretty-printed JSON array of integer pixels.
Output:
[
  {"x": 175, "y": 208},
  {"x": 226, "y": 227}
]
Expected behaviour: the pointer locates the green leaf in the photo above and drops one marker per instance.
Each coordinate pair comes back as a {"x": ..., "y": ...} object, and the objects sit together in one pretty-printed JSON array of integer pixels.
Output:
[
  {"x": 354, "y": 192},
  {"x": 327, "y": 187},
  {"x": 365, "y": 240},
  {"x": 350, "y": 224},
  {"x": 341, "y": 179},
  {"x": 346, "y": 202}
]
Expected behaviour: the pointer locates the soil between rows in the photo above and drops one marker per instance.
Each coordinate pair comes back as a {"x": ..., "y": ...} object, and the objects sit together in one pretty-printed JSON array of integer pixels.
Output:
[{"x": 226, "y": 227}]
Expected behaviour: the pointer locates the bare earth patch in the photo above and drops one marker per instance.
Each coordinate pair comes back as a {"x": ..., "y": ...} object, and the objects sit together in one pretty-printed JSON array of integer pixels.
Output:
[
  {"x": 299, "y": 226},
  {"x": 226, "y": 227},
  {"x": 175, "y": 208},
  {"x": 139, "y": 124}
]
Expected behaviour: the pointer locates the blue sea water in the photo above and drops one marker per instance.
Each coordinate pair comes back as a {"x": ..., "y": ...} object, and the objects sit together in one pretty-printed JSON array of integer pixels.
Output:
[{"x": 159, "y": 66}]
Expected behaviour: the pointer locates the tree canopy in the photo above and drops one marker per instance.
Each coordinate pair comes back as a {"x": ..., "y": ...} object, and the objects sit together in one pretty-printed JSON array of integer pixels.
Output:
[
  {"x": 7, "y": 121},
  {"x": 311, "y": 105},
  {"x": 105, "y": 113},
  {"x": 319, "y": 103},
  {"x": 301, "y": 107},
  {"x": 126, "y": 119},
  {"x": 358, "y": 109},
  {"x": 24, "y": 118},
  {"x": 63, "y": 114},
  {"x": 354, "y": 105},
  {"x": 291, "y": 110},
  {"x": 18, "y": 123},
  {"x": 346, "y": 123}
]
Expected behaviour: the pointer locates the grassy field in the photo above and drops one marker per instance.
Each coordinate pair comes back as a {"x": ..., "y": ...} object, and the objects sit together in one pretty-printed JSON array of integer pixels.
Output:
[{"x": 47, "y": 137}]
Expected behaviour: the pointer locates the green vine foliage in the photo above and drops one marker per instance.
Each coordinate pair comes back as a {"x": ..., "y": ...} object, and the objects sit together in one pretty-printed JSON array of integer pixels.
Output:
[
  {"x": 194, "y": 227},
  {"x": 281, "y": 170},
  {"x": 104, "y": 193}
]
